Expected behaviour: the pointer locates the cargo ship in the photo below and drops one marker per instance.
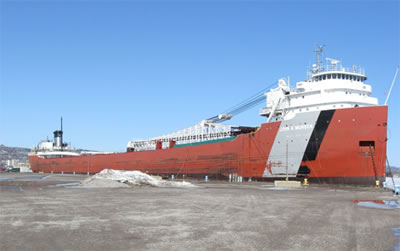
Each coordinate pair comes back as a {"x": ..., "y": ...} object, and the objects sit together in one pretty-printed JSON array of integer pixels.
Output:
[{"x": 328, "y": 129}]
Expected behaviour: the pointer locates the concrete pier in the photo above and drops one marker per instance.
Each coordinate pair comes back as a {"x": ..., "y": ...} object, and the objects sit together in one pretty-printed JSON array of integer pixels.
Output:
[{"x": 42, "y": 214}]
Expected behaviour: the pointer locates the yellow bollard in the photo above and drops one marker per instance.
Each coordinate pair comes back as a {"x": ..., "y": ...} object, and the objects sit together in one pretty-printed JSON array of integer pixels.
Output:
[
  {"x": 377, "y": 183},
  {"x": 305, "y": 183}
]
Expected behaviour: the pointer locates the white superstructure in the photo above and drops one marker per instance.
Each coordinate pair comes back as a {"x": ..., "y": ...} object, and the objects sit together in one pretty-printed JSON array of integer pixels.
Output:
[
  {"x": 50, "y": 149},
  {"x": 59, "y": 149},
  {"x": 328, "y": 87}
]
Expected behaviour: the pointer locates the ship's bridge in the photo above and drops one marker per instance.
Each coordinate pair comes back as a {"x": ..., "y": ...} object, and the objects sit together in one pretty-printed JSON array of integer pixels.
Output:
[
  {"x": 328, "y": 86},
  {"x": 334, "y": 70}
]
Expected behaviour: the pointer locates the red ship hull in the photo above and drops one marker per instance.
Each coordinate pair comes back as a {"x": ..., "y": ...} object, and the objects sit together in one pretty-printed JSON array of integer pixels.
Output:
[
  {"x": 342, "y": 156},
  {"x": 348, "y": 147}
]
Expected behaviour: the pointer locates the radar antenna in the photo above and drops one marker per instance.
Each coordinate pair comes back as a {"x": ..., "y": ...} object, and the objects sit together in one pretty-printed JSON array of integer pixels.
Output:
[{"x": 333, "y": 61}]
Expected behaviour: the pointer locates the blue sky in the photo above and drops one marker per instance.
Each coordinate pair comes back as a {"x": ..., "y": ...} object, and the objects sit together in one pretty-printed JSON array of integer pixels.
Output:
[{"x": 122, "y": 70}]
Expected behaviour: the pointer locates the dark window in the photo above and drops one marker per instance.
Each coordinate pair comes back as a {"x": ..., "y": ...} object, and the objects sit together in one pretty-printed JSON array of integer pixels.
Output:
[
  {"x": 367, "y": 146},
  {"x": 367, "y": 143}
]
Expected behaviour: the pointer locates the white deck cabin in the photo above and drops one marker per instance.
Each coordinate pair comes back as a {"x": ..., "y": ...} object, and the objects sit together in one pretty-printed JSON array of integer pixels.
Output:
[{"x": 327, "y": 87}]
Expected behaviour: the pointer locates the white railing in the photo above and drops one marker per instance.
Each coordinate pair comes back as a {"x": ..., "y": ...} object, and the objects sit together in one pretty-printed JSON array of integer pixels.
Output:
[
  {"x": 340, "y": 68},
  {"x": 203, "y": 131}
]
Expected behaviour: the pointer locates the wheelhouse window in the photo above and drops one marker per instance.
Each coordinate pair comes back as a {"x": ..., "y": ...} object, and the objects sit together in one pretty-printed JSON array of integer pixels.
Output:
[
  {"x": 329, "y": 76},
  {"x": 334, "y": 76}
]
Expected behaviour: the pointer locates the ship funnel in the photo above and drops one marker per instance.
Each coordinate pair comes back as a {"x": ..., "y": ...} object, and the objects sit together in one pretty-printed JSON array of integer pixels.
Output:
[{"x": 58, "y": 138}]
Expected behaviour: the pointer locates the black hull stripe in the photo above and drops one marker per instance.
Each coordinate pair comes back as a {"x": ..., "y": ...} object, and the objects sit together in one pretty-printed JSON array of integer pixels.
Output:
[{"x": 318, "y": 134}]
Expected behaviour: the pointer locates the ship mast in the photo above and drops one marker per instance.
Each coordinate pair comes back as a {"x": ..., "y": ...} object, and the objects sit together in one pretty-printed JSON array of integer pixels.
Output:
[{"x": 318, "y": 51}]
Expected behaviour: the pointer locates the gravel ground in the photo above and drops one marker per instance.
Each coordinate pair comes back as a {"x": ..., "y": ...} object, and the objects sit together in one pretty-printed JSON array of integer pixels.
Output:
[{"x": 37, "y": 213}]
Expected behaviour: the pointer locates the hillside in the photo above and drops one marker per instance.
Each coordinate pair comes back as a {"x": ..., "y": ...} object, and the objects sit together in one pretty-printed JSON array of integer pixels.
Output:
[
  {"x": 9, "y": 153},
  {"x": 394, "y": 169}
]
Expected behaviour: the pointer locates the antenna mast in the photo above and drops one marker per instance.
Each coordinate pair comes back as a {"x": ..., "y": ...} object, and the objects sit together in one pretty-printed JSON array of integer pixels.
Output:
[
  {"x": 61, "y": 123},
  {"x": 318, "y": 51}
]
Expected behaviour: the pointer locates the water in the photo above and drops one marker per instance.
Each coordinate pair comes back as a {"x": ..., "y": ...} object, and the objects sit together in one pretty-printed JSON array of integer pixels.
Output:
[
  {"x": 396, "y": 232},
  {"x": 379, "y": 204}
]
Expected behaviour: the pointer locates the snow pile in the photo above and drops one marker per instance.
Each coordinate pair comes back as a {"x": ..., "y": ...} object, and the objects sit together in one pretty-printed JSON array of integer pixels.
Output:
[
  {"x": 118, "y": 178},
  {"x": 389, "y": 182}
]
